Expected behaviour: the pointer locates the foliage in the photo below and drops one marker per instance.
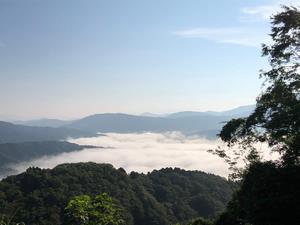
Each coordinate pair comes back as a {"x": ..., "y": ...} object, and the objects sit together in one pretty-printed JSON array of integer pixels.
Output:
[
  {"x": 276, "y": 118},
  {"x": 161, "y": 197},
  {"x": 269, "y": 194},
  {"x": 7, "y": 220},
  {"x": 270, "y": 190},
  {"x": 201, "y": 221},
  {"x": 101, "y": 210}
]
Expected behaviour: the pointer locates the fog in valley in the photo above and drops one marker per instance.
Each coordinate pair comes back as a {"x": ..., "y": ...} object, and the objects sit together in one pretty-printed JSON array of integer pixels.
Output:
[{"x": 141, "y": 152}]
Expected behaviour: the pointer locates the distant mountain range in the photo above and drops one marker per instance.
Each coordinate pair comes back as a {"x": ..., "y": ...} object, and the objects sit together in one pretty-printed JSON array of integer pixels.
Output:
[
  {"x": 240, "y": 111},
  {"x": 123, "y": 123},
  {"x": 206, "y": 124},
  {"x": 41, "y": 137}
]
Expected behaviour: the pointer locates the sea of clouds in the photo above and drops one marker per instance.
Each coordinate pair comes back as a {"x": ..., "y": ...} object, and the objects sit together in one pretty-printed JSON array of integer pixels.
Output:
[
  {"x": 141, "y": 152},
  {"x": 144, "y": 152}
]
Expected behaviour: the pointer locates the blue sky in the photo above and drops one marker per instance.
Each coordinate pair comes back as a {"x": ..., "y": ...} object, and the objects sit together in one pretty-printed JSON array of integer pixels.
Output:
[{"x": 71, "y": 58}]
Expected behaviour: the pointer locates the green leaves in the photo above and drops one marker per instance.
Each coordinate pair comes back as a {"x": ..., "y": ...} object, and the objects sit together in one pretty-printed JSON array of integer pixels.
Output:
[
  {"x": 78, "y": 209},
  {"x": 101, "y": 210}
]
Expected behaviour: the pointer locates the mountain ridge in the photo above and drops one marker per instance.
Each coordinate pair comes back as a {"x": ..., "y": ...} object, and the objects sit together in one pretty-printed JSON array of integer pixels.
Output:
[
  {"x": 13, "y": 133},
  {"x": 12, "y": 153},
  {"x": 206, "y": 124}
]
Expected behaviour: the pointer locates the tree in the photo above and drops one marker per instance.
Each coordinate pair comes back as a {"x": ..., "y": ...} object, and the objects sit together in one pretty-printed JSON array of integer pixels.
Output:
[
  {"x": 201, "y": 221},
  {"x": 101, "y": 210},
  {"x": 269, "y": 191},
  {"x": 7, "y": 220},
  {"x": 268, "y": 194},
  {"x": 276, "y": 118}
]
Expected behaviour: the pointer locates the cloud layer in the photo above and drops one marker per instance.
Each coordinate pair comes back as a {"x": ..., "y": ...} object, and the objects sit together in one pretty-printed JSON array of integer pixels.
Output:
[
  {"x": 142, "y": 153},
  {"x": 234, "y": 35}
]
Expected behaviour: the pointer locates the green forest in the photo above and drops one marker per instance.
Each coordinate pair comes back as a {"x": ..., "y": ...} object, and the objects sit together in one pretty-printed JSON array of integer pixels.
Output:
[{"x": 162, "y": 197}]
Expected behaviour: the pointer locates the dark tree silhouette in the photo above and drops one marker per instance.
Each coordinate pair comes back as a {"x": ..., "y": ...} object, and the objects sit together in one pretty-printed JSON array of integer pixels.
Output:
[
  {"x": 270, "y": 191},
  {"x": 276, "y": 118}
]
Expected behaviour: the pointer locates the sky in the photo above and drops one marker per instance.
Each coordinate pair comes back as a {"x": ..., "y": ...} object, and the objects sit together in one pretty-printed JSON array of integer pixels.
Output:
[{"x": 72, "y": 58}]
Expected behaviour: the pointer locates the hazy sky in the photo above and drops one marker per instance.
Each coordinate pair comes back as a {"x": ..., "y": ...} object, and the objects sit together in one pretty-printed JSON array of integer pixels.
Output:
[{"x": 70, "y": 58}]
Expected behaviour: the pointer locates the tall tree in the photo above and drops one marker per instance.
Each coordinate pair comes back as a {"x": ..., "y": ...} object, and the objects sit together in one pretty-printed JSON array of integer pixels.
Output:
[{"x": 276, "y": 118}]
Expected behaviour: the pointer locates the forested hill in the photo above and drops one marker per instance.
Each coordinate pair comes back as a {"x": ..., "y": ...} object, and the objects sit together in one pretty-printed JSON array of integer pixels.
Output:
[
  {"x": 11, "y": 153},
  {"x": 162, "y": 197},
  {"x": 12, "y": 133}
]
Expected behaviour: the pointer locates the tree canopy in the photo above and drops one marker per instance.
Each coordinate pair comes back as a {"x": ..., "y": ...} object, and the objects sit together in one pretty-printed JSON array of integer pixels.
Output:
[
  {"x": 276, "y": 118},
  {"x": 162, "y": 197},
  {"x": 101, "y": 210},
  {"x": 270, "y": 190}
]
